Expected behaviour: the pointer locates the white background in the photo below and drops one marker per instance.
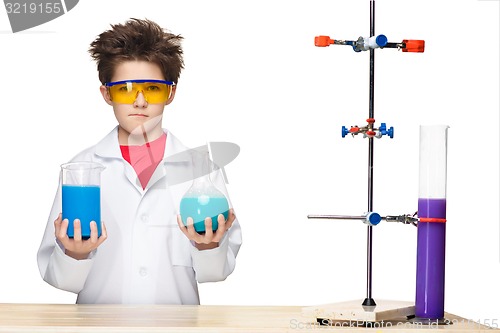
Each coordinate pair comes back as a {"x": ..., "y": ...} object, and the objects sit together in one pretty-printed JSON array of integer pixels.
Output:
[{"x": 254, "y": 77}]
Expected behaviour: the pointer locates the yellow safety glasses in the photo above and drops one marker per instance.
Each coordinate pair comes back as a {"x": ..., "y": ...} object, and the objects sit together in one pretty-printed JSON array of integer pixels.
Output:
[{"x": 154, "y": 91}]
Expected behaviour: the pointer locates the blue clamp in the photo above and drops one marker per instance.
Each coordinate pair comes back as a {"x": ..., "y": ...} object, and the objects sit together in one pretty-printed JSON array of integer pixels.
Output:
[
  {"x": 372, "y": 218},
  {"x": 367, "y": 43},
  {"x": 384, "y": 131},
  {"x": 345, "y": 131},
  {"x": 381, "y": 40}
]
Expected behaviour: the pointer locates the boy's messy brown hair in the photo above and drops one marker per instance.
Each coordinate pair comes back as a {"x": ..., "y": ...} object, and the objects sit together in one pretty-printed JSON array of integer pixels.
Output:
[{"x": 137, "y": 40}]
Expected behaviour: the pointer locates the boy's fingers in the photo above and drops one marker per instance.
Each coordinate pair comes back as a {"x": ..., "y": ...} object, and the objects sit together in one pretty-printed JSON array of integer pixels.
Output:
[
  {"x": 209, "y": 234},
  {"x": 181, "y": 225},
  {"x": 77, "y": 230},
  {"x": 63, "y": 229},
  {"x": 190, "y": 228},
  {"x": 57, "y": 224},
  {"x": 191, "y": 232},
  {"x": 93, "y": 232},
  {"x": 221, "y": 229},
  {"x": 226, "y": 224},
  {"x": 229, "y": 223},
  {"x": 231, "y": 217},
  {"x": 104, "y": 232}
]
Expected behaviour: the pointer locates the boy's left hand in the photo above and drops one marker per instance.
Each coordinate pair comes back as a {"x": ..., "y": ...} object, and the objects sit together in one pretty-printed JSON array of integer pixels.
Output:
[{"x": 209, "y": 239}]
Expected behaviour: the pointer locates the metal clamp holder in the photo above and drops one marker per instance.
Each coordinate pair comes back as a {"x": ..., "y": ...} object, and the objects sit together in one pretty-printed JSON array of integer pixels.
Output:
[
  {"x": 374, "y": 42},
  {"x": 369, "y": 131}
]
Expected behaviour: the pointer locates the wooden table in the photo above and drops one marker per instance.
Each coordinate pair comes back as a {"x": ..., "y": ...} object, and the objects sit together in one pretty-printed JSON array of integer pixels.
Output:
[{"x": 172, "y": 318}]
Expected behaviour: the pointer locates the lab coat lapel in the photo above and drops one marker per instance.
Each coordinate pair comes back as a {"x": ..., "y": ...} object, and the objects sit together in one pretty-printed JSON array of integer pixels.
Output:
[
  {"x": 175, "y": 163},
  {"x": 174, "y": 166},
  {"x": 109, "y": 147}
]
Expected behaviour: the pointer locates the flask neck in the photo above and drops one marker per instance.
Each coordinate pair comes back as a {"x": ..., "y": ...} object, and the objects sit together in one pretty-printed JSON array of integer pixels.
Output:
[
  {"x": 202, "y": 181},
  {"x": 203, "y": 169}
]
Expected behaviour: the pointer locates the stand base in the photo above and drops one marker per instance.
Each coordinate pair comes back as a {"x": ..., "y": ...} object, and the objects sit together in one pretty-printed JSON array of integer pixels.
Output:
[
  {"x": 426, "y": 321},
  {"x": 354, "y": 311}
]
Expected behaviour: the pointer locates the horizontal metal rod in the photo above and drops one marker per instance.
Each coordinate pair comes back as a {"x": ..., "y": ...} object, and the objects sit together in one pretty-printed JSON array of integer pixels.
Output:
[
  {"x": 337, "y": 217},
  {"x": 406, "y": 219}
]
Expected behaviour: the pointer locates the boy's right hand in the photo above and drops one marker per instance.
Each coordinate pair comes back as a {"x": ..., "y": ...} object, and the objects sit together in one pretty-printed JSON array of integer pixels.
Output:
[{"x": 76, "y": 247}]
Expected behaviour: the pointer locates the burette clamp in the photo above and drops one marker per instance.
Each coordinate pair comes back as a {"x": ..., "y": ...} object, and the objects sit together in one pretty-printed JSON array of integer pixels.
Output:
[
  {"x": 369, "y": 130},
  {"x": 373, "y": 42},
  {"x": 405, "y": 219}
]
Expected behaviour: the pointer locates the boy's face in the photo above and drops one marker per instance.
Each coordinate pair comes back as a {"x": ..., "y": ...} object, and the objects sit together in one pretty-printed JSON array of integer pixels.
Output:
[{"x": 140, "y": 118}]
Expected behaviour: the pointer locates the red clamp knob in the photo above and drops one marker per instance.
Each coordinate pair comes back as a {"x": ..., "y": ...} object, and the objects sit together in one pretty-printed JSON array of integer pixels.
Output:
[
  {"x": 354, "y": 129},
  {"x": 413, "y": 45},
  {"x": 370, "y": 120},
  {"x": 323, "y": 41},
  {"x": 370, "y": 134}
]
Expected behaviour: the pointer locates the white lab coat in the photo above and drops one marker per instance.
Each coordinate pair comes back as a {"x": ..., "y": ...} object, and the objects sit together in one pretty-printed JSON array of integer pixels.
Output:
[{"x": 146, "y": 258}]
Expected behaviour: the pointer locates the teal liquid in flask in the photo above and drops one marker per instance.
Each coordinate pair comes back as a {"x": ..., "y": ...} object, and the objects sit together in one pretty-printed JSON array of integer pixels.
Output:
[{"x": 203, "y": 199}]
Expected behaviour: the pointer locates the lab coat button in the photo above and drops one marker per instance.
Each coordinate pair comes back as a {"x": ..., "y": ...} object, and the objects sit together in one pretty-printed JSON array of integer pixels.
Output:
[
  {"x": 145, "y": 218},
  {"x": 143, "y": 271}
]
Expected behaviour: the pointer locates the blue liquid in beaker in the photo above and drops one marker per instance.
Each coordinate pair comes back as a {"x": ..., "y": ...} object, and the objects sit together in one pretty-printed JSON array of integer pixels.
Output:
[
  {"x": 201, "y": 207},
  {"x": 83, "y": 203}
]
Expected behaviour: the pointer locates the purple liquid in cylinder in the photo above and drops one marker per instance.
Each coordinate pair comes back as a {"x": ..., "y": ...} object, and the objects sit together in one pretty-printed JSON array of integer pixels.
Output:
[
  {"x": 429, "y": 302},
  {"x": 435, "y": 208}
]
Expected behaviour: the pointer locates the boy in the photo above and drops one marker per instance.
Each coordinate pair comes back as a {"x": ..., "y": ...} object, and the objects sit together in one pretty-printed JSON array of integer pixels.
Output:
[{"x": 144, "y": 254}]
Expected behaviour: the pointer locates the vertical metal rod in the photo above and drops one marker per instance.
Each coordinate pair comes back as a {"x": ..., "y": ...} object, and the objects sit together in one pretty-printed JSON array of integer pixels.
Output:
[
  {"x": 372, "y": 59},
  {"x": 369, "y": 301}
]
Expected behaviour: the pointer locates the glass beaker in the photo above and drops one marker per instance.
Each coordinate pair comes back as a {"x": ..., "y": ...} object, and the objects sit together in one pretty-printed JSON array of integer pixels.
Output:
[
  {"x": 81, "y": 195},
  {"x": 203, "y": 199}
]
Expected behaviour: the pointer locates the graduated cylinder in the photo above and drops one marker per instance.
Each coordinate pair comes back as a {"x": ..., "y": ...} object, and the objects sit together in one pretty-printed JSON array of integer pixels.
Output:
[{"x": 429, "y": 302}]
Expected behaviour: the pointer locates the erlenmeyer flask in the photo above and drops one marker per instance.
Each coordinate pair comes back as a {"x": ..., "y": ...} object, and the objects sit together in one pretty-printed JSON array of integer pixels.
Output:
[{"x": 203, "y": 199}]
